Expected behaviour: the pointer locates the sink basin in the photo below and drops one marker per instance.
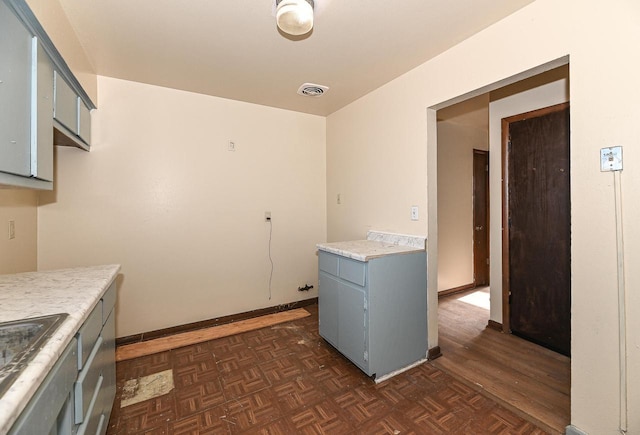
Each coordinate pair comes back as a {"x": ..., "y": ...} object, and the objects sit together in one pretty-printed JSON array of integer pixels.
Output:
[{"x": 20, "y": 341}]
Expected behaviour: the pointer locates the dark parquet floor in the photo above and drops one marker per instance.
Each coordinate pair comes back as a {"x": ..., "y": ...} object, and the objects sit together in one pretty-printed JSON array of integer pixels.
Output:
[{"x": 286, "y": 380}]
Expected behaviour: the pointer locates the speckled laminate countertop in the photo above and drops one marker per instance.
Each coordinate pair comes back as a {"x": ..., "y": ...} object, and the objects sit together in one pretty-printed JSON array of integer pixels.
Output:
[
  {"x": 378, "y": 244},
  {"x": 33, "y": 294}
]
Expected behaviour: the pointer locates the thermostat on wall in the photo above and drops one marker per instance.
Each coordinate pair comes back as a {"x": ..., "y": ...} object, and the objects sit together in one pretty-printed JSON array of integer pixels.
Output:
[{"x": 611, "y": 159}]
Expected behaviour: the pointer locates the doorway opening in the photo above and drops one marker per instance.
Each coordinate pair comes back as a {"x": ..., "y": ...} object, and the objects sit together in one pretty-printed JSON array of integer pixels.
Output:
[{"x": 542, "y": 87}]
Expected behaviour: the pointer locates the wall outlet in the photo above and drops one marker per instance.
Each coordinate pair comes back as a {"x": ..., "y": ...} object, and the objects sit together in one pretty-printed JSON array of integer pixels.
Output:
[
  {"x": 267, "y": 216},
  {"x": 414, "y": 212},
  {"x": 12, "y": 230},
  {"x": 338, "y": 199}
]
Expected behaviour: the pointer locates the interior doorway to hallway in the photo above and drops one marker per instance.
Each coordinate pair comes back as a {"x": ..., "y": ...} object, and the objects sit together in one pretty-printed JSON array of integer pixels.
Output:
[{"x": 455, "y": 265}]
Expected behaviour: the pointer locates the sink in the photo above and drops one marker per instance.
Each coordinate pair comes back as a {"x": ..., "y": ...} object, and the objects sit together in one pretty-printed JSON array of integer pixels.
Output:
[{"x": 20, "y": 341}]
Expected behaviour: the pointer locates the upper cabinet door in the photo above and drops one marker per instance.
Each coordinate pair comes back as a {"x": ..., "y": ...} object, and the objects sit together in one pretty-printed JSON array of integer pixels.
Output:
[
  {"x": 42, "y": 117},
  {"x": 85, "y": 122},
  {"x": 15, "y": 94},
  {"x": 65, "y": 104}
]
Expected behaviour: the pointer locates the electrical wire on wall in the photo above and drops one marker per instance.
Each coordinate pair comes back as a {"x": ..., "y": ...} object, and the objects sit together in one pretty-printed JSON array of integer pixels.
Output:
[
  {"x": 270, "y": 259},
  {"x": 611, "y": 161},
  {"x": 622, "y": 304}
]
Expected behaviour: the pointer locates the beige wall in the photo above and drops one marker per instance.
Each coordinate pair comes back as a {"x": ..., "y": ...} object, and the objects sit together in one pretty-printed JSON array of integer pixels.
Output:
[
  {"x": 456, "y": 143},
  {"x": 160, "y": 194},
  {"x": 377, "y": 151},
  {"x": 537, "y": 98},
  {"x": 20, "y": 253},
  {"x": 55, "y": 22}
]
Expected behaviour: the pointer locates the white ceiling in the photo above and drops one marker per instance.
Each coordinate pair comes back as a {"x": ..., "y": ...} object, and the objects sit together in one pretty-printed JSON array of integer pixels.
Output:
[{"x": 232, "y": 48}]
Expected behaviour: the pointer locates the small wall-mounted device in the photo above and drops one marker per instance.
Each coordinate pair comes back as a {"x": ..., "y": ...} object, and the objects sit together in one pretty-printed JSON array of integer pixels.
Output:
[{"x": 611, "y": 159}]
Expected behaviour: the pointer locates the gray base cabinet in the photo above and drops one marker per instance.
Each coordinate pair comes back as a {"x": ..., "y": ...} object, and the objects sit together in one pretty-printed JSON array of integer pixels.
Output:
[
  {"x": 94, "y": 390},
  {"x": 77, "y": 396},
  {"x": 374, "y": 312}
]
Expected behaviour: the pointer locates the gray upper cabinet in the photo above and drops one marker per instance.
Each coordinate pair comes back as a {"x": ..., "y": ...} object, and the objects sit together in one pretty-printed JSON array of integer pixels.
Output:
[
  {"x": 41, "y": 102},
  {"x": 72, "y": 117},
  {"x": 15, "y": 94}
]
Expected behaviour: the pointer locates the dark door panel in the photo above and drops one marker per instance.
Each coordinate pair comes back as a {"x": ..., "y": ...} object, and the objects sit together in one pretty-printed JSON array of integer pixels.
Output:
[
  {"x": 480, "y": 217},
  {"x": 539, "y": 230}
]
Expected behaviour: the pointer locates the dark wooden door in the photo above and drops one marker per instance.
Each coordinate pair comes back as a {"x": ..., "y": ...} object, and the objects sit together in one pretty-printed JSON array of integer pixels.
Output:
[
  {"x": 539, "y": 229},
  {"x": 480, "y": 217}
]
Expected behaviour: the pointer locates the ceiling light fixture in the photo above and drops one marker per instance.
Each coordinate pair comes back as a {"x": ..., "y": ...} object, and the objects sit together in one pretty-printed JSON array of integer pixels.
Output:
[{"x": 294, "y": 17}]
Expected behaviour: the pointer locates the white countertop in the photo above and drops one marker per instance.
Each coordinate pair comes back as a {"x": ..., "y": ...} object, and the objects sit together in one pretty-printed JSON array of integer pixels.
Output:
[
  {"x": 378, "y": 244},
  {"x": 34, "y": 294}
]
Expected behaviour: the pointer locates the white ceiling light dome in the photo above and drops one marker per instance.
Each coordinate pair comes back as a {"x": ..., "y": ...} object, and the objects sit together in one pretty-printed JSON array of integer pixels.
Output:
[{"x": 294, "y": 17}]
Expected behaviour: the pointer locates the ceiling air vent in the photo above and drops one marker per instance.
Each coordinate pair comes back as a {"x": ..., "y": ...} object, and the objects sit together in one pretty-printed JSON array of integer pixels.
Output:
[{"x": 312, "y": 90}]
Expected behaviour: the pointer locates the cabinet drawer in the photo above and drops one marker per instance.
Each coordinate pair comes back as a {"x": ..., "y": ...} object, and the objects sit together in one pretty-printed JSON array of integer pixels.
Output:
[
  {"x": 108, "y": 302},
  {"x": 108, "y": 367},
  {"x": 328, "y": 263},
  {"x": 42, "y": 411},
  {"x": 102, "y": 425},
  {"x": 87, "y": 383},
  {"x": 88, "y": 334},
  {"x": 91, "y": 424},
  {"x": 352, "y": 271}
]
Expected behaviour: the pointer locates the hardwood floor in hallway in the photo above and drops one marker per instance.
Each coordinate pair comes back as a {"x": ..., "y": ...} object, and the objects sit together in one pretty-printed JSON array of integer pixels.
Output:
[{"x": 528, "y": 379}]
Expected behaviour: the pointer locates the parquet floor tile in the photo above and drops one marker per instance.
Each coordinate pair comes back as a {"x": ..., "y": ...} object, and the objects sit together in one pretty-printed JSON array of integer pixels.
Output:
[
  {"x": 286, "y": 380},
  {"x": 191, "y": 400}
]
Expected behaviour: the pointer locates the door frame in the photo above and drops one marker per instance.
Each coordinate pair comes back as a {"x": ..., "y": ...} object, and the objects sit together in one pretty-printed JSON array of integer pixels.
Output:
[
  {"x": 506, "y": 279},
  {"x": 485, "y": 181}
]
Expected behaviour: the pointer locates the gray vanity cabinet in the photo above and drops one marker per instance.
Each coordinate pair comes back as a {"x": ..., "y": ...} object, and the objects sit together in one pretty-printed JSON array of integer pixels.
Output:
[{"x": 374, "y": 312}]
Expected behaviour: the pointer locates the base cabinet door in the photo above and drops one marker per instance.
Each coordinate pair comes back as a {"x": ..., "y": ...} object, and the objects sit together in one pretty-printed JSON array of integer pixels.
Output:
[
  {"x": 328, "y": 290},
  {"x": 352, "y": 320},
  {"x": 342, "y": 307}
]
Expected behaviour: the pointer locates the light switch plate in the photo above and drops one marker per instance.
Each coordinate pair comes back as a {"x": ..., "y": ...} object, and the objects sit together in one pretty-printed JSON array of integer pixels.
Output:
[{"x": 611, "y": 159}]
